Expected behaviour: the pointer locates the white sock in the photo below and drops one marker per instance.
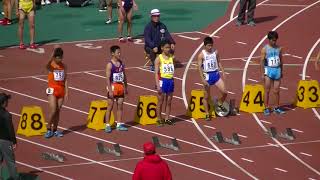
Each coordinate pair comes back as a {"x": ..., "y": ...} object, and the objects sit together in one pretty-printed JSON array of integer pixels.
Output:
[
  {"x": 118, "y": 124},
  {"x": 107, "y": 124}
]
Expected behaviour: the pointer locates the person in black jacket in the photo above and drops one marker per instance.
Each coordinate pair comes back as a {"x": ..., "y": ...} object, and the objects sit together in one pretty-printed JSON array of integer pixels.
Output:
[
  {"x": 155, "y": 32},
  {"x": 8, "y": 140},
  {"x": 251, "y": 4}
]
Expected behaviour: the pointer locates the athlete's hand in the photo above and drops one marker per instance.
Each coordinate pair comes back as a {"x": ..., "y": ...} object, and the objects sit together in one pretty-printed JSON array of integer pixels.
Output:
[
  {"x": 262, "y": 77},
  {"x": 135, "y": 7},
  {"x": 155, "y": 49},
  {"x": 159, "y": 89},
  {"x": 205, "y": 84},
  {"x": 66, "y": 97},
  {"x": 14, "y": 146}
]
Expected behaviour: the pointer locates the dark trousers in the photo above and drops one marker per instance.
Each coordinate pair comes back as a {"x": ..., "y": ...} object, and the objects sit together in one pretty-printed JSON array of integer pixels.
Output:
[
  {"x": 7, "y": 155},
  {"x": 152, "y": 54},
  {"x": 251, "y": 4}
]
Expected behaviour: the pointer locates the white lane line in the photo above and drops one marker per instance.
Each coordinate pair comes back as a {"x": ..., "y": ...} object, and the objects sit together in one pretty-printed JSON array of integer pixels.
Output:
[
  {"x": 244, "y": 76},
  {"x": 187, "y": 37},
  {"x": 248, "y": 160},
  {"x": 282, "y": 170},
  {"x": 140, "y": 87},
  {"x": 127, "y": 147},
  {"x": 284, "y": 88},
  {"x": 311, "y": 179},
  {"x": 233, "y": 10},
  {"x": 209, "y": 127},
  {"x": 42, "y": 170},
  {"x": 183, "y": 89},
  {"x": 243, "y": 136},
  {"x": 306, "y": 154},
  {"x": 272, "y": 144},
  {"x": 253, "y": 80},
  {"x": 285, "y": 5},
  {"x": 74, "y": 155},
  {"x": 229, "y": 92},
  {"x": 304, "y": 76},
  {"x": 240, "y": 42},
  {"x": 266, "y": 122},
  {"x": 296, "y": 130},
  {"x": 206, "y": 34}
]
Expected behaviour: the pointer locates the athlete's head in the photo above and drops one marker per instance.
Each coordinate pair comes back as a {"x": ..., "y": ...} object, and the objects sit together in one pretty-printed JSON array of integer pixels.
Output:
[
  {"x": 58, "y": 54},
  {"x": 273, "y": 37},
  {"x": 165, "y": 47},
  {"x": 115, "y": 51},
  {"x": 208, "y": 43}
]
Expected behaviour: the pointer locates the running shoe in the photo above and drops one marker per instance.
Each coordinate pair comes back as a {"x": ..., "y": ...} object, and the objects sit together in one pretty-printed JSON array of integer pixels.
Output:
[
  {"x": 121, "y": 127},
  {"x": 49, "y": 134},
  {"x": 278, "y": 111},
  {"x": 108, "y": 129},
  {"x": 266, "y": 112},
  {"x": 58, "y": 134}
]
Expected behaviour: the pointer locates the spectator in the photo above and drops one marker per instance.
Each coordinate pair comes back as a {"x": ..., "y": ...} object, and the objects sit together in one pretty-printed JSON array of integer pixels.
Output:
[
  {"x": 8, "y": 141},
  {"x": 250, "y": 14},
  {"x": 27, "y": 8},
  {"x": 125, "y": 10},
  {"x": 152, "y": 166},
  {"x": 154, "y": 33},
  {"x": 7, "y": 12},
  {"x": 109, "y": 8},
  {"x": 44, "y": 2}
]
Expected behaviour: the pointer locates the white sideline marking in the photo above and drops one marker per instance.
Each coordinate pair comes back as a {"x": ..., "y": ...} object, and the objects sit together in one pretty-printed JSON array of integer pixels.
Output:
[
  {"x": 282, "y": 170},
  {"x": 305, "y": 154},
  {"x": 187, "y": 37},
  {"x": 248, "y": 160}
]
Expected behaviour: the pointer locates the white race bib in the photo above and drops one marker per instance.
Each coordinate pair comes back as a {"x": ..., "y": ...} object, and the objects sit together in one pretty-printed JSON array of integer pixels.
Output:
[
  {"x": 273, "y": 61},
  {"x": 58, "y": 75},
  {"x": 167, "y": 69},
  {"x": 118, "y": 77},
  {"x": 210, "y": 66},
  {"x": 160, "y": 83},
  {"x": 49, "y": 91}
]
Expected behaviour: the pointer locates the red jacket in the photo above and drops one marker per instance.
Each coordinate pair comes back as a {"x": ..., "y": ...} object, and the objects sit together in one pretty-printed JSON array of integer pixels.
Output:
[{"x": 152, "y": 167}]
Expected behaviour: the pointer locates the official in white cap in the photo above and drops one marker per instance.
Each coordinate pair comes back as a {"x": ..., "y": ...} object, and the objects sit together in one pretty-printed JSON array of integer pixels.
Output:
[{"x": 155, "y": 32}]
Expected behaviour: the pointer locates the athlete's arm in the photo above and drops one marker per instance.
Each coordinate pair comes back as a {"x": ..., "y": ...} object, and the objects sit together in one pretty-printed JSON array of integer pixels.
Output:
[
  {"x": 199, "y": 61},
  {"x": 156, "y": 72},
  {"x": 281, "y": 61},
  {"x": 66, "y": 95},
  {"x": 125, "y": 81},
  {"x": 220, "y": 65},
  {"x": 108, "y": 73},
  {"x": 263, "y": 57}
]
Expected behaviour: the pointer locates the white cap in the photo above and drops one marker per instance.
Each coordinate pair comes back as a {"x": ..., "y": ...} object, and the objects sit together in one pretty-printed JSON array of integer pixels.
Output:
[{"x": 155, "y": 12}]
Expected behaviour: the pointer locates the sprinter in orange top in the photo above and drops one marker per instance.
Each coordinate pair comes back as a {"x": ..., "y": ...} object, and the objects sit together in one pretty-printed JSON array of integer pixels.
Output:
[{"x": 57, "y": 91}]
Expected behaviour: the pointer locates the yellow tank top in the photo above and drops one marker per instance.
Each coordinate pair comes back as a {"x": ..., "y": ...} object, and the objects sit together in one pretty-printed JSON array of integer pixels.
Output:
[
  {"x": 166, "y": 67},
  {"x": 26, "y": 5}
]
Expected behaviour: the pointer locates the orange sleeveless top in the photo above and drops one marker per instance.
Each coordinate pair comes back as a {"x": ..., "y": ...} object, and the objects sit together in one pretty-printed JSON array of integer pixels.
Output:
[{"x": 56, "y": 76}]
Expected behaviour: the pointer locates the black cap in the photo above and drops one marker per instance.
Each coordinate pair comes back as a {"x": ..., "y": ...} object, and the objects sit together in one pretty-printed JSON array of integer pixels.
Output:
[{"x": 4, "y": 97}]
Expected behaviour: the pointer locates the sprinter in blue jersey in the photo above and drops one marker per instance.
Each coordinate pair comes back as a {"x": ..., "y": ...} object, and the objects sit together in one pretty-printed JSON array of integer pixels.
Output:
[{"x": 271, "y": 70}]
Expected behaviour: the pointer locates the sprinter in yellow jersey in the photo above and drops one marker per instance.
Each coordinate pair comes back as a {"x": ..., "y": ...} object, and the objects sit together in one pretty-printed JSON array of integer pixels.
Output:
[
  {"x": 26, "y": 8},
  {"x": 164, "y": 70}
]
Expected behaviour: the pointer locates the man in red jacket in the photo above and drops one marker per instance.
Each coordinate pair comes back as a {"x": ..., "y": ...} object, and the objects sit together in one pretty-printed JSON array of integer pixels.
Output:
[{"x": 152, "y": 166}]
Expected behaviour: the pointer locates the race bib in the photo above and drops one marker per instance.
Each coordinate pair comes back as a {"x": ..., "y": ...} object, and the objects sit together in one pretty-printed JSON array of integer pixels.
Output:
[
  {"x": 273, "y": 61},
  {"x": 210, "y": 66},
  {"x": 118, "y": 77},
  {"x": 167, "y": 68},
  {"x": 58, "y": 75},
  {"x": 160, "y": 83},
  {"x": 49, "y": 91}
]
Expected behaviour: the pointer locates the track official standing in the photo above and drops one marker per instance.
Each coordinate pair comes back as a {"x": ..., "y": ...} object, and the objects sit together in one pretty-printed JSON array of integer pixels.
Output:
[
  {"x": 8, "y": 140},
  {"x": 251, "y": 4}
]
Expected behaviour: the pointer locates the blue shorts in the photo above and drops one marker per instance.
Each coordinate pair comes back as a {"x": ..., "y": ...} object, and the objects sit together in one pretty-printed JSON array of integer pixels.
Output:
[
  {"x": 167, "y": 85},
  {"x": 212, "y": 77},
  {"x": 273, "y": 73}
]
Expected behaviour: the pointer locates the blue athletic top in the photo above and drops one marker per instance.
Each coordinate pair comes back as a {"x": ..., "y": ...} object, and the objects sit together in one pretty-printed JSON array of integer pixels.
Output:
[{"x": 272, "y": 56}]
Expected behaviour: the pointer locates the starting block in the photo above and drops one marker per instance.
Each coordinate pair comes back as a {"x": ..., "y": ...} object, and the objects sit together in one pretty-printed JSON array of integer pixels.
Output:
[
  {"x": 54, "y": 157},
  {"x": 173, "y": 146},
  {"x": 116, "y": 151},
  {"x": 288, "y": 135},
  {"x": 220, "y": 139}
]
